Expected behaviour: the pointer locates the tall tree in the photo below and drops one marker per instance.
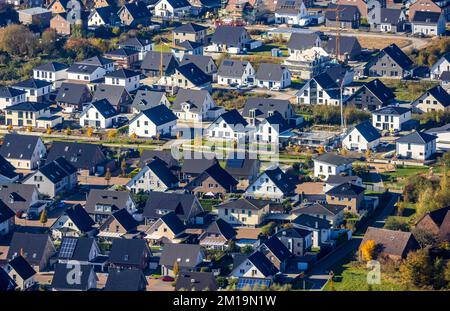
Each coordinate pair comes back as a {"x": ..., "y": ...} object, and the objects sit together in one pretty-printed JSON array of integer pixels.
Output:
[
  {"x": 43, "y": 218},
  {"x": 123, "y": 167},
  {"x": 108, "y": 176}
]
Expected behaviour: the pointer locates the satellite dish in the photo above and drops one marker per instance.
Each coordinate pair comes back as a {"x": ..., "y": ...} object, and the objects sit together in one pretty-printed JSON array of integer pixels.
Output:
[{"x": 73, "y": 11}]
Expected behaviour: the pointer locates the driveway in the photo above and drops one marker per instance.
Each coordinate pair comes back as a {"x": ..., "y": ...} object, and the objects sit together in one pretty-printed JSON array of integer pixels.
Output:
[{"x": 159, "y": 285}]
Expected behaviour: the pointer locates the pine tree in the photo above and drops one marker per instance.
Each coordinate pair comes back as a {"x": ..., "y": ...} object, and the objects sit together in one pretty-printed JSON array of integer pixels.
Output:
[
  {"x": 123, "y": 167},
  {"x": 176, "y": 268},
  {"x": 43, "y": 218}
]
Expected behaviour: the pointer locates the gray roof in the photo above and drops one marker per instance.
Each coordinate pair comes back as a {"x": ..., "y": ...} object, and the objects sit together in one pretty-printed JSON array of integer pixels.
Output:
[
  {"x": 416, "y": 138},
  {"x": 72, "y": 93},
  {"x": 282, "y": 180},
  {"x": 398, "y": 56},
  {"x": 346, "y": 12},
  {"x": 201, "y": 61},
  {"x": 195, "y": 99},
  {"x": 392, "y": 242},
  {"x": 228, "y": 35},
  {"x": 32, "y": 84},
  {"x": 318, "y": 209},
  {"x": 346, "y": 190},
  {"x": 240, "y": 167},
  {"x": 125, "y": 280},
  {"x": 333, "y": 159},
  {"x": 122, "y": 74},
  {"x": 288, "y": 6},
  {"x": 190, "y": 28},
  {"x": 9, "y": 92},
  {"x": 263, "y": 264},
  {"x": 440, "y": 94},
  {"x": 18, "y": 197},
  {"x": 232, "y": 68},
  {"x": 217, "y": 173},
  {"x": 194, "y": 74},
  {"x": 312, "y": 222},
  {"x": 113, "y": 93},
  {"x": 116, "y": 199},
  {"x": 82, "y": 68},
  {"x": 7, "y": 169},
  {"x": 128, "y": 251},
  {"x": 391, "y": 110},
  {"x": 301, "y": 41},
  {"x": 17, "y": 146},
  {"x": 81, "y": 155},
  {"x": 339, "y": 179},
  {"x": 103, "y": 107},
  {"x": 263, "y": 106},
  {"x": 145, "y": 99},
  {"x": 159, "y": 115},
  {"x": 424, "y": 17},
  {"x": 245, "y": 203},
  {"x": 52, "y": 66},
  {"x": 165, "y": 155},
  {"x": 390, "y": 15},
  {"x": 33, "y": 246},
  {"x": 368, "y": 131},
  {"x": 135, "y": 42},
  {"x": 57, "y": 170},
  {"x": 81, "y": 251},
  {"x": 152, "y": 61},
  {"x": 185, "y": 254},
  {"x": 125, "y": 219},
  {"x": 160, "y": 203},
  {"x": 28, "y": 106},
  {"x": 22, "y": 267},
  {"x": 270, "y": 72},
  {"x": 159, "y": 168},
  {"x": 60, "y": 280},
  {"x": 347, "y": 44},
  {"x": 98, "y": 61},
  {"x": 197, "y": 281},
  {"x": 196, "y": 166},
  {"x": 5, "y": 212}
]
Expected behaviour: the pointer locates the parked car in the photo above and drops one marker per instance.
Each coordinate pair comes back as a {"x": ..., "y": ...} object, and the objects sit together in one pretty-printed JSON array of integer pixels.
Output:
[{"x": 167, "y": 278}]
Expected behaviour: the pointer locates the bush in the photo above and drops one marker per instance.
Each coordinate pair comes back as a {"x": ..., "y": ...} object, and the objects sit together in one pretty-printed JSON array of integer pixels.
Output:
[{"x": 396, "y": 223}]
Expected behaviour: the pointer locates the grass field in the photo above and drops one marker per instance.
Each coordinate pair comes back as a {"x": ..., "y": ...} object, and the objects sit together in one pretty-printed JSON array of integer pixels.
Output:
[{"x": 380, "y": 43}]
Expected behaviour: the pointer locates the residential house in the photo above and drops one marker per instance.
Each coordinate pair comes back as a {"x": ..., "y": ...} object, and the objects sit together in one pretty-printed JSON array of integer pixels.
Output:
[
  {"x": 151, "y": 64},
  {"x": 21, "y": 272},
  {"x": 276, "y": 252},
  {"x": 190, "y": 32},
  {"x": 328, "y": 164},
  {"x": 417, "y": 145},
  {"x": 428, "y": 23},
  {"x": 154, "y": 176},
  {"x": 441, "y": 66},
  {"x": 117, "y": 95},
  {"x": 244, "y": 168},
  {"x": 31, "y": 114},
  {"x": 37, "y": 90},
  {"x": 297, "y": 241},
  {"x": 390, "y": 20},
  {"x": 307, "y": 63},
  {"x": 390, "y": 62},
  {"x": 349, "y": 48},
  {"x": 103, "y": 16},
  {"x": 142, "y": 46},
  {"x": 218, "y": 235},
  {"x": 333, "y": 213},
  {"x": 349, "y": 16},
  {"x": 124, "y": 77},
  {"x": 146, "y": 99},
  {"x": 7, "y": 219},
  {"x": 429, "y": 6},
  {"x": 187, "y": 48},
  {"x": 36, "y": 248},
  {"x": 23, "y": 151},
  {"x": 235, "y": 73},
  {"x": 273, "y": 76},
  {"x": 213, "y": 182},
  {"x": 186, "y": 256},
  {"x": 443, "y": 136},
  {"x": 87, "y": 158},
  {"x": 391, "y": 243},
  {"x": 123, "y": 58},
  {"x": 18, "y": 197},
  {"x": 205, "y": 63},
  {"x": 196, "y": 105},
  {"x": 371, "y": 96},
  {"x": 134, "y": 14},
  {"x": 130, "y": 254},
  {"x": 189, "y": 76},
  {"x": 336, "y": 180},
  {"x": 194, "y": 165},
  {"x": 130, "y": 280},
  {"x": 55, "y": 178},
  {"x": 229, "y": 39},
  {"x": 84, "y": 251},
  {"x": 228, "y": 126},
  {"x": 319, "y": 227},
  {"x": 10, "y": 96},
  {"x": 85, "y": 73},
  {"x": 53, "y": 72},
  {"x": 65, "y": 23},
  {"x": 167, "y": 229},
  {"x": 273, "y": 184},
  {"x": 37, "y": 16},
  {"x": 362, "y": 137},
  {"x": 436, "y": 222},
  {"x": 362, "y": 5},
  {"x": 186, "y": 206},
  {"x": 99, "y": 61},
  {"x": 72, "y": 96},
  {"x": 153, "y": 122},
  {"x": 166, "y": 155},
  {"x": 244, "y": 211},
  {"x": 196, "y": 281},
  {"x": 270, "y": 130},
  {"x": 119, "y": 225},
  {"x": 8, "y": 173},
  {"x": 99, "y": 114},
  {"x": 290, "y": 12},
  {"x": 100, "y": 204},
  {"x": 74, "y": 222},
  {"x": 348, "y": 195},
  {"x": 7, "y": 284},
  {"x": 320, "y": 90},
  {"x": 391, "y": 118},
  {"x": 87, "y": 278},
  {"x": 257, "y": 109},
  {"x": 172, "y": 8},
  {"x": 434, "y": 99},
  {"x": 255, "y": 266},
  {"x": 62, "y": 6}
]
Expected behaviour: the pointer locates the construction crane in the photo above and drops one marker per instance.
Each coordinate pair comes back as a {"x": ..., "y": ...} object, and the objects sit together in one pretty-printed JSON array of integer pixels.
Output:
[{"x": 338, "y": 29}]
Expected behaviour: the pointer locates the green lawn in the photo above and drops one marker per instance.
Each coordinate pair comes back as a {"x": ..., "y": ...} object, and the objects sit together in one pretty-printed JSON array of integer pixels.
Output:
[
  {"x": 398, "y": 178},
  {"x": 207, "y": 204},
  {"x": 266, "y": 49}
]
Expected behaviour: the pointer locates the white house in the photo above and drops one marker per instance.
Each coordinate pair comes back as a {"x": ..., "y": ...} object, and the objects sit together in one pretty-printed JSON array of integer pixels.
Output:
[
  {"x": 155, "y": 176},
  {"x": 7, "y": 219},
  {"x": 269, "y": 130},
  {"x": 124, "y": 77},
  {"x": 321, "y": 90},
  {"x": 10, "y": 96},
  {"x": 362, "y": 137},
  {"x": 196, "y": 105},
  {"x": 99, "y": 114},
  {"x": 443, "y": 136},
  {"x": 257, "y": 265},
  {"x": 21, "y": 272},
  {"x": 85, "y": 73},
  {"x": 417, "y": 146},
  {"x": 74, "y": 222},
  {"x": 290, "y": 12},
  {"x": 428, "y": 23},
  {"x": 229, "y": 39},
  {"x": 228, "y": 126},
  {"x": 23, "y": 151},
  {"x": 51, "y": 72},
  {"x": 36, "y": 90},
  {"x": 141, "y": 45},
  {"x": 442, "y": 65},
  {"x": 273, "y": 76},
  {"x": 172, "y": 8},
  {"x": 391, "y": 118},
  {"x": 235, "y": 73},
  {"x": 152, "y": 122},
  {"x": 272, "y": 184},
  {"x": 103, "y": 16},
  {"x": 328, "y": 164}
]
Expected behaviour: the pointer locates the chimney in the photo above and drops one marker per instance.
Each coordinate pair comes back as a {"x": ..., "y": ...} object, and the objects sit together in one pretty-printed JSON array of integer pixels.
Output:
[
  {"x": 317, "y": 225},
  {"x": 284, "y": 233}
]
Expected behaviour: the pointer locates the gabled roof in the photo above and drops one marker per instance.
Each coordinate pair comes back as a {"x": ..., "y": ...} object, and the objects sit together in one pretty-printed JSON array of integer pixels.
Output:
[
  {"x": 17, "y": 146},
  {"x": 176, "y": 4},
  {"x": 6, "y": 282},
  {"x": 5, "y": 212},
  {"x": 158, "y": 115},
  {"x": 115, "y": 94},
  {"x": 28, "y": 106},
  {"x": 22, "y": 267},
  {"x": 32, "y": 246},
  {"x": 137, "y": 10},
  {"x": 201, "y": 61},
  {"x": 32, "y": 84},
  {"x": 98, "y": 61},
  {"x": 312, "y": 222},
  {"x": 390, "y": 15},
  {"x": 424, "y": 17},
  {"x": 346, "y": 12},
  {"x": 76, "y": 248},
  {"x": 126, "y": 280},
  {"x": 232, "y": 68},
  {"x": 391, "y": 110},
  {"x": 190, "y": 28},
  {"x": 197, "y": 166},
  {"x": 347, "y": 44},
  {"x": 194, "y": 74},
  {"x": 270, "y": 72},
  {"x": 116, "y": 199},
  {"x": 293, "y": 232},
  {"x": 416, "y": 138},
  {"x": 185, "y": 254},
  {"x": 152, "y": 61},
  {"x": 217, "y": 173},
  {"x": 173, "y": 222},
  {"x": 72, "y": 93},
  {"x": 276, "y": 247},
  {"x": 346, "y": 189},
  {"x": 128, "y": 251},
  {"x": 445, "y": 76},
  {"x": 438, "y": 216},
  {"x": 232, "y": 117},
  {"x": 56, "y": 171},
  {"x": 51, "y": 66},
  {"x": 392, "y": 242},
  {"x": 381, "y": 91},
  {"x": 122, "y": 74},
  {"x": 160, "y": 203},
  {"x": 61, "y": 281},
  {"x": 288, "y": 6},
  {"x": 80, "y": 155},
  {"x": 18, "y": 197},
  {"x": 368, "y": 131},
  {"x": 82, "y": 68},
  {"x": 121, "y": 52},
  {"x": 79, "y": 216},
  {"x": 165, "y": 155},
  {"x": 398, "y": 56},
  {"x": 440, "y": 94},
  {"x": 7, "y": 169},
  {"x": 188, "y": 45},
  {"x": 105, "y": 13},
  {"x": 197, "y": 281},
  {"x": 277, "y": 120},
  {"x": 245, "y": 203},
  {"x": 263, "y": 264},
  {"x": 135, "y": 42},
  {"x": 160, "y": 169},
  {"x": 281, "y": 180},
  {"x": 195, "y": 98},
  {"x": 339, "y": 179},
  {"x": 146, "y": 99},
  {"x": 9, "y": 92},
  {"x": 103, "y": 107},
  {"x": 263, "y": 106},
  {"x": 302, "y": 41},
  {"x": 223, "y": 228},
  {"x": 228, "y": 35},
  {"x": 239, "y": 167},
  {"x": 125, "y": 219},
  {"x": 317, "y": 208}
]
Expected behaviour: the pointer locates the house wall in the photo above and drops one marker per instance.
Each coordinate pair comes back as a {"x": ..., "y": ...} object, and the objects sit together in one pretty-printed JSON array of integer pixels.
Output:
[
  {"x": 385, "y": 66},
  {"x": 164, "y": 9},
  {"x": 50, "y": 76},
  {"x": 365, "y": 100},
  {"x": 263, "y": 187},
  {"x": 210, "y": 185},
  {"x": 297, "y": 246},
  {"x": 7, "y": 226},
  {"x": 429, "y": 30},
  {"x": 390, "y": 122},
  {"x": 312, "y": 93},
  {"x": 423, "y": 5},
  {"x": 61, "y": 223},
  {"x": 150, "y": 130},
  {"x": 130, "y": 84},
  {"x": 281, "y": 84},
  {"x": 438, "y": 68},
  {"x": 39, "y": 152},
  {"x": 247, "y": 269},
  {"x": 199, "y": 36},
  {"x": 241, "y": 217},
  {"x": 97, "y": 74},
  {"x": 149, "y": 181},
  {"x": 25, "y": 118},
  {"x": 6, "y": 102},
  {"x": 221, "y": 130},
  {"x": 60, "y": 25},
  {"x": 352, "y": 204},
  {"x": 94, "y": 118},
  {"x": 326, "y": 169},
  {"x": 21, "y": 283},
  {"x": 355, "y": 141},
  {"x": 427, "y": 103},
  {"x": 416, "y": 151},
  {"x": 160, "y": 230}
]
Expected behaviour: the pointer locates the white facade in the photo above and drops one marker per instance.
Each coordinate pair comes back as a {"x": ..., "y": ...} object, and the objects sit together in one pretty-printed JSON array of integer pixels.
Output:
[
  {"x": 220, "y": 129},
  {"x": 267, "y": 133},
  {"x": 95, "y": 20},
  {"x": 327, "y": 169},
  {"x": 64, "y": 223},
  {"x": 284, "y": 82},
  {"x": 208, "y": 110},
  {"x": 249, "y": 72},
  {"x": 384, "y": 122},
  {"x": 50, "y": 76},
  {"x": 35, "y": 95},
  {"x": 39, "y": 153},
  {"x": 291, "y": 18},
  {"x": 91, "y": 117},
  {"x": 355, "y": 141},
  {"x": 416, "y": 151},
  {"x": 142, "y": 126},
  {"x": 164, "y": 9},
  {"x": 321, "y": 97},
  {"x": 263, "y": 187},
  {"x": 131, "y": 84},
  {"x": 443, "y": 64},
  {"x": 430, "y": 29},
  {"x": 147, "y": 181},
  {"x": 247, "y": 269},
  {"x": 9, "y": 101},
  {"x": 87, "y": 77}
]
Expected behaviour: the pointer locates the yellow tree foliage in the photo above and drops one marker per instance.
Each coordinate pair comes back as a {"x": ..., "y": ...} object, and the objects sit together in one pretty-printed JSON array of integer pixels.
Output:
[
  {"x": 68, "y": 131},
  {"x": 112, "y": 134},
  {"x": 49, "y": 130},
  {"x": 30, "y": 129},
  {"x": 134, "y": 135},
  {"x": 176, "y": 268},
  {"x": 368, "y": 250},
  {"x": 10, "y": 127},
  {"x": 89, "y": 132},
  {"x": 344, "y": 152},
  {"x": 321, "y": 149}
]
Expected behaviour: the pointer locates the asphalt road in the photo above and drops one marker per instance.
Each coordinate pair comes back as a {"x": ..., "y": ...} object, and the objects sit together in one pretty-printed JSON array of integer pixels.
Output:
[{"x": 319, "y": 275}]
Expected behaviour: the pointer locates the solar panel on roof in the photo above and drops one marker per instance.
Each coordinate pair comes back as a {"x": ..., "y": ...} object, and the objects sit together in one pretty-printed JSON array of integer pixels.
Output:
[
  {"x": 67, "y": 248},
  {"x": 245, "y": 282}
]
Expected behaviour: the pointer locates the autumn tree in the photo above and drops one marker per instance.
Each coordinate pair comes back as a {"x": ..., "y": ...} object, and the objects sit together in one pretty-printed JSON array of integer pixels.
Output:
[
  {"x": 48, "y": 130},
  {"x": 112, "y": 134},
  {"x": 176, "y": 268},
  {"x": 68, "y": 131},
  {"x": 344, "y": 152},
  {"x": 108, "y": 176},
  {"x": 89, "y": 132},
  {"x": 43, "y": 217},
  {"x": 368, "y": 250},
  {"x": 123, "y": 167},
  {"x": 17, "y": 40},
  {"x": 48, "y": 41},
  {"x": 417, "y": 268}
]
